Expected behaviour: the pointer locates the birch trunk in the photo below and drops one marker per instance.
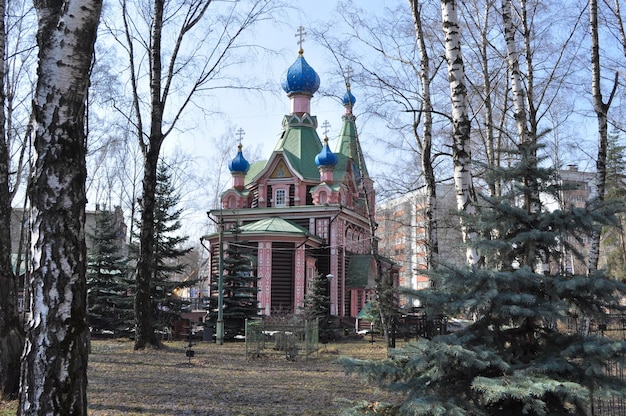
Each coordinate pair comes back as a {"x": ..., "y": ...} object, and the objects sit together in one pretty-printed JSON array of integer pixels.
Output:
[
  {"x": 432, "y": 241},
  {"x": 526, "y": 121},
  {"x": 54, "y": 367},
  {"x": 517, "y": 87},
  {"x": 465, "y": 197},
  {"x": 601, "y": 108},
  {"x": 492, "y": 142},
  {"x": 11, "y": 333}
]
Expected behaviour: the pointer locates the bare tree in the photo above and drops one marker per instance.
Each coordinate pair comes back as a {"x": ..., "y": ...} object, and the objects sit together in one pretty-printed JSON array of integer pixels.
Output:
[
  {"x": 180, "y": 64},
  {"x": 601, "y": 109},
  {"x": 488, "y": 85},
  {"x": 461, "y": 125},
  {"x": 396, "y": 79},
  {"x": 54, "y": 366},
  {"x": 426, "y": 142},
  {"x": 11, "y": 333},
  {"x": 19, "y": 87}
]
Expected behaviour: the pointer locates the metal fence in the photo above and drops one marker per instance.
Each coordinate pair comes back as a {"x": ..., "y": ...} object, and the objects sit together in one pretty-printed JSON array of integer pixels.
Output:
[
  {"x": 612, "y": 327},
  {"x": 291, "y": 340}
]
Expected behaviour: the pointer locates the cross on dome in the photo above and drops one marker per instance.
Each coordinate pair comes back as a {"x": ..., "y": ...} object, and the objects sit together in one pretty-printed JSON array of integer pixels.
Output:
[
  {"x": 326, "y": 127},
  {"x": 347, "y": 73},
  {"x": 300, "y": 33},
  {"x": 240, "y": 133}
]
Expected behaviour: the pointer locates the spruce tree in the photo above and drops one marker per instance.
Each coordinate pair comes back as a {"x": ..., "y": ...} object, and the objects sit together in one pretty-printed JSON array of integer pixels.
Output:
[
  {"x": 168, "y": 251},
  {"x": 239, "y": 286},
  {"x": 317, "y": 306},
  {"x": 110, "y": 306},
  {"x": 614, "y": 237},
  {"x": 515, "y": 357}
]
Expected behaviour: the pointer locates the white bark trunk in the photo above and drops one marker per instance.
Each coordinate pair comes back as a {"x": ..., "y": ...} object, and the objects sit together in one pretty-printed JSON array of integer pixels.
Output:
[
  {"x": 466, "y": 200},
  {"x": 54, "y": 367},
  {"x": 517, "y": 87},
  {"x": 526, "y": 135},
  {"x": 601, "y": 108},
  {"x": 432, "y": 243}
]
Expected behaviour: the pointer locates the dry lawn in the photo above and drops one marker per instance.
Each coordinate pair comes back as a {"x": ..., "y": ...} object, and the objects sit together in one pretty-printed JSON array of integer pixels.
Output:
[{"x": 219, "y": 381}]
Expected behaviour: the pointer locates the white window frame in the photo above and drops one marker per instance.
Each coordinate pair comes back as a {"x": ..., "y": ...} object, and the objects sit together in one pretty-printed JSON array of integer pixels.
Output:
[{"x": 280, "y": 194}]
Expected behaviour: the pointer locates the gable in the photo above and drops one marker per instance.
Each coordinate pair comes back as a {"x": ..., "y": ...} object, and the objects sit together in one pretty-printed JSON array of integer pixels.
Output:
[{"x": 280, "y": 171}]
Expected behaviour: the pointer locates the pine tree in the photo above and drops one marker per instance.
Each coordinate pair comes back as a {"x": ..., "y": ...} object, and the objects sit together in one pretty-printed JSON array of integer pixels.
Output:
[
  {"x": 613, "y": 237},
  {"x": 110, "y": 306},
  {"x": 168, "y": 251},
  {"x": 515, "y": 357},
  {"x": 239, "y": 286},
  {"x": 317, "y": 306}
]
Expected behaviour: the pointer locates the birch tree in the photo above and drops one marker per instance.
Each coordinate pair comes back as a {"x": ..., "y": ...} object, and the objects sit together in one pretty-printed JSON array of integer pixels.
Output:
[
  {"x": 426, "y": 143},
  {"x": 488, "y": 85},
  {"x": 461, "y": 125},
  {"x": 601, "y": 109},
  {"x": 54, "y": 365},
  {"x": 171, "y": 62},
  {"x": 11, "y": 334},
  {"x": 396, "y": 79}
]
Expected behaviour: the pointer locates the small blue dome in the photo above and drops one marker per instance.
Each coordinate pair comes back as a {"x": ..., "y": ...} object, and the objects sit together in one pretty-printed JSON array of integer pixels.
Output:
[
  {"x": 348, "y": 99},
  {"x": 326, "y": 157},
  {"x": 239, "y": 163},
  {"x": 300, "y": 78}
]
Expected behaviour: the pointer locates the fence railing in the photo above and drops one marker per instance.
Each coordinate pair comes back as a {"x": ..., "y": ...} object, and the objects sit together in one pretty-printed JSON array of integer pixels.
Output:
[
  {"x": 290, "y": 340},
  {"x": 614, "y": 326}
]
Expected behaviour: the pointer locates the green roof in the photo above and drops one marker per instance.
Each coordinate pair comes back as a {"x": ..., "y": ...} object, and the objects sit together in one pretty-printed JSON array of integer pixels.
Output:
[
  {"x": 300, "y": 144},
  {"x": 360, "y": 268},
  {"x": 273, "y": 225},
  {"x": 367, "y": 313},
  {"x": 347, "y": 149},
  {"x": 255, "y": 169}
]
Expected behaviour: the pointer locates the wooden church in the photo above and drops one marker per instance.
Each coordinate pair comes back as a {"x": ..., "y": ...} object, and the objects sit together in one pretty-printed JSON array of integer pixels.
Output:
[{"x": 306, "y": 211}]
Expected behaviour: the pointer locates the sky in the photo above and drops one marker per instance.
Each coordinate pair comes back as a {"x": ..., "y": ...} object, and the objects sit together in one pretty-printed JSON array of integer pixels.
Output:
[{"x": 260, "y": 116}]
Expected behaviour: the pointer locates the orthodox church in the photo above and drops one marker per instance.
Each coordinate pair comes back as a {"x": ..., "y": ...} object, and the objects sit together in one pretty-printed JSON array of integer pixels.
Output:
[{"x": 306, "y": 212}]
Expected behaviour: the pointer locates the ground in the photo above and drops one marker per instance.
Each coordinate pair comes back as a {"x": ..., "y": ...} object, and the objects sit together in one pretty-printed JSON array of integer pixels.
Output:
[{"x": 220, "y": 381}]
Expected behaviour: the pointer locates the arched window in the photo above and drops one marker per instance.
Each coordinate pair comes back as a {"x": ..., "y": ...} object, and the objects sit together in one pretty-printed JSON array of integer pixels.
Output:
[{"x": 349, "y": 240}]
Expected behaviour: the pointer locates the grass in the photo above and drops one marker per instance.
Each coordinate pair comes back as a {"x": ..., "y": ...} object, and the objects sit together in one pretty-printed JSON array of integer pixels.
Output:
[{"x": 220, "y": 381}]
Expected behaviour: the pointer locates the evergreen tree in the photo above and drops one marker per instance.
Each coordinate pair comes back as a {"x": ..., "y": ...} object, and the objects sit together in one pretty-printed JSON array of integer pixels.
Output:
[
  {"x": 317, "y": 301},
  {"x": 239, "y": 286},
  {"x": 317, "y": 306},
  {"x": 110, "y": 306},
  {"x": 515, "y": 357},
  {"x": 168, "y": 252},
  {"x": 613, "y": 237}
]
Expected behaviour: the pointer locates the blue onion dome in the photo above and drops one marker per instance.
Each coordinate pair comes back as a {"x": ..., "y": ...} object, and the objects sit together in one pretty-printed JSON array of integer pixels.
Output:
[
  {"x": 300, "y": 78},
  {"x": 348, "y": 98},
  {"x": 326, "y": 157},
  {"x": 239, "y": 163}
]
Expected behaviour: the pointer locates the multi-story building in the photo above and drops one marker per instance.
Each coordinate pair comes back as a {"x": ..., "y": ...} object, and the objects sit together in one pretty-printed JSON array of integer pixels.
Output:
[
  {"x": 577, "y": 188},
  {"x": 402, "y": 234},
  {"x": 306, "y": 211}
]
